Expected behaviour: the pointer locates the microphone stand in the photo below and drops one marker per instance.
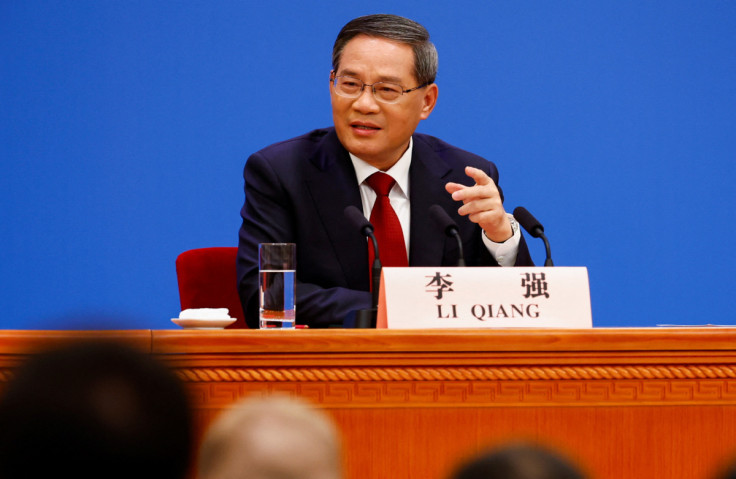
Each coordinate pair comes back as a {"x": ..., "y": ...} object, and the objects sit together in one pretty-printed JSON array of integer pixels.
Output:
[
  {"x": 367, "y": 318},
  {"x": 534, "y": 228},
  {"x": 452, "y": 231},
  {"x": 548, "y": 259},
  {"x": 450, "y": 228}
]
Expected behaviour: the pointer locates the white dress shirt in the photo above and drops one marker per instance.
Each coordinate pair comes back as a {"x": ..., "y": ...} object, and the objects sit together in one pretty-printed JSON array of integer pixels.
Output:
[{"x": 504, "y": 253}]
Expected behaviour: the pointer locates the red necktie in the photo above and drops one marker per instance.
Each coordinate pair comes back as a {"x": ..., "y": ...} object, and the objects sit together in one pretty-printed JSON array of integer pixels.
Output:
[{"x": 389, "y": 234}]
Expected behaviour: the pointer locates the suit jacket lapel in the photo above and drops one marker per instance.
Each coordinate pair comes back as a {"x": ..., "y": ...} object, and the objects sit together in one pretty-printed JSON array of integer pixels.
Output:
[
  {"x": 427, "y": 178},
  {"x": 333, "y": 187}
]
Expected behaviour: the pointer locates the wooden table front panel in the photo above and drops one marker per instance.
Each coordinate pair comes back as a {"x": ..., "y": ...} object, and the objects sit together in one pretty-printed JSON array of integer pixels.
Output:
[{"x": 623, "y": 403}]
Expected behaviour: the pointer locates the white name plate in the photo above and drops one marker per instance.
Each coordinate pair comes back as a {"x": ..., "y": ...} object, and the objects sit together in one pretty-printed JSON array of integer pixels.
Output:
[{"x": 493, "y": 297}]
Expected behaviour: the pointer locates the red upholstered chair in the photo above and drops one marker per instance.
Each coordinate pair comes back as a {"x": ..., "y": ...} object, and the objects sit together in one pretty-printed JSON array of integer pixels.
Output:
[{"x": 208, "y": 279}]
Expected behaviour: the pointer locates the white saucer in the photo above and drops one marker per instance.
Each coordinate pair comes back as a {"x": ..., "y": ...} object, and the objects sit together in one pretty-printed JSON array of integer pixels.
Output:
[{"x": 203, "y": 323}]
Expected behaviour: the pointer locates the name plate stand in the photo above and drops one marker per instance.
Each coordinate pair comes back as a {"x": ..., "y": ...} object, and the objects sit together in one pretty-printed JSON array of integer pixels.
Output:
[{"x": 454, "y": 297}]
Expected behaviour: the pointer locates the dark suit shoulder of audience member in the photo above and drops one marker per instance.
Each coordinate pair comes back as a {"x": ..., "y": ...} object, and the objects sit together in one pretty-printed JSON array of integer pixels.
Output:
[
  {"x": 518, "y": 461},
  {"x": 94, "y": 410}
]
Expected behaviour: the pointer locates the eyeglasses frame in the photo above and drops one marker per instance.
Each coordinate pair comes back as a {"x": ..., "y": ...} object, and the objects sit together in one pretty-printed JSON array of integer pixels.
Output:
[{"x": 333, "y": 80}]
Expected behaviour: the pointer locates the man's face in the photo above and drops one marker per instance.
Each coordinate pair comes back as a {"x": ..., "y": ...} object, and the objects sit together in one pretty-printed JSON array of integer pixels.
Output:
[{"x": 376, "y": 132}]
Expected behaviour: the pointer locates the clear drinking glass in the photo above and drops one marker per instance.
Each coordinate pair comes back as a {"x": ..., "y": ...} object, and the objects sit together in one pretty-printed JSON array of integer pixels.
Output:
[{"x": 277, "y": 285}]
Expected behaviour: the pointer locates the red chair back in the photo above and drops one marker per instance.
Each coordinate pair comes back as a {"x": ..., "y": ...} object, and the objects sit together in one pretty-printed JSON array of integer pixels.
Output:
[{"x": 208, "y": 279}]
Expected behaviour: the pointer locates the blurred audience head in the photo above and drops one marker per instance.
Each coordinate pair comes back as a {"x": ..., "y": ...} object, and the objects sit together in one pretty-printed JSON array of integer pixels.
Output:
[
  {"x": 271, "y": 438},
  {"x": 729, "y": 471},
  {"x": 518, "y": 461},
  {"x": 94, "y": 410}
]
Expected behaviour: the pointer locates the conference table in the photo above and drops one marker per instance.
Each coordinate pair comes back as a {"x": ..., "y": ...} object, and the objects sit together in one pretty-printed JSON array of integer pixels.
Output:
[{"x": 621, "y": 403}]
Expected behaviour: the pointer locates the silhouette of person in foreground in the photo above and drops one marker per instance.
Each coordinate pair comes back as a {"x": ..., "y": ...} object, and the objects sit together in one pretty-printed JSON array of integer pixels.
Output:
[
  {"x": 729, "y": 472},
  {"x": 518, "y": 461},
  {"x": 271, "y": 438},
  {"x": 94, "y": 410}
]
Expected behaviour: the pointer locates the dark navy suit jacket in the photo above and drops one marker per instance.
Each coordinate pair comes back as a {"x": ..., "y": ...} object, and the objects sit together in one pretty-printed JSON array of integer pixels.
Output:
[{"x": 296, "y": 191}]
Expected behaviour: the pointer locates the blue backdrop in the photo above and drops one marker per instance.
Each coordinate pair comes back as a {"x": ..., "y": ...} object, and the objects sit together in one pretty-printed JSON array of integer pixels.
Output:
[{"x": 124, "y": 127}]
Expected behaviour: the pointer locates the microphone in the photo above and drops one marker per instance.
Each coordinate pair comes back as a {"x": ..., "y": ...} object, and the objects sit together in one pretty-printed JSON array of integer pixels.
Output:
[
  {"x": 534, "y": 228},
  {"x": 355, "y": 217},
  {"x": 366, "y": 318},
  {"x": 450, "y": 228}
]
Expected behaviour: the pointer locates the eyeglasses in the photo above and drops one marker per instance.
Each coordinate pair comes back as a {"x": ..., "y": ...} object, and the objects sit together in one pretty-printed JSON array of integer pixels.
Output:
[{"x": 385, "y": 92}]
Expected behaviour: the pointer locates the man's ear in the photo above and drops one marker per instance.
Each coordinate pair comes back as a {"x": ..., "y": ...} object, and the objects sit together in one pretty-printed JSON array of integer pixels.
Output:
[
  {"x": 430, "y": 100},
  {"x": 332, "y": 78}
]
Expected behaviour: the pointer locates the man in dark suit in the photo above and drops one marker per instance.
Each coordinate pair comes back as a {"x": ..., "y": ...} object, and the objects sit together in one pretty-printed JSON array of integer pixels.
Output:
[{"x": 381, "y": 87}]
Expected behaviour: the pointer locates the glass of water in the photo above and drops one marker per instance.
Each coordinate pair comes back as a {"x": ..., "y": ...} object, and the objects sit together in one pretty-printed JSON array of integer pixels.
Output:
[{"x": 277, "y": 285}]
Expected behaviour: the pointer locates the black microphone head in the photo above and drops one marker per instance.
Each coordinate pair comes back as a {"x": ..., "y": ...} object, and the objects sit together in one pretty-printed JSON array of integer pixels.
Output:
[
  {"x": 357, "y": 219},
  {"x": 442, "y": 219},
  {"x": 528, "y": 222}
]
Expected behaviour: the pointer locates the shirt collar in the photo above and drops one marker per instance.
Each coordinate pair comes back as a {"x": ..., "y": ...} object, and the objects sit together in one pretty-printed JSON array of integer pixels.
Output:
[{"x": 399, "y": 172}]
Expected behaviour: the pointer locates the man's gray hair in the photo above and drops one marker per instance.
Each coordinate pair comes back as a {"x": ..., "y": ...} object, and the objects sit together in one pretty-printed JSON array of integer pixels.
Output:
[
  {"x": 271, "y": 437},
  {"x": 398, "y": 29}
]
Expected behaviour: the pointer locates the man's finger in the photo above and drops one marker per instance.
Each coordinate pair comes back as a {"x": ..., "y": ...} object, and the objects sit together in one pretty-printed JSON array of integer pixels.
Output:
[
  {"x": 479, "y": 176},
  {"x": 453, "y": 187}
]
